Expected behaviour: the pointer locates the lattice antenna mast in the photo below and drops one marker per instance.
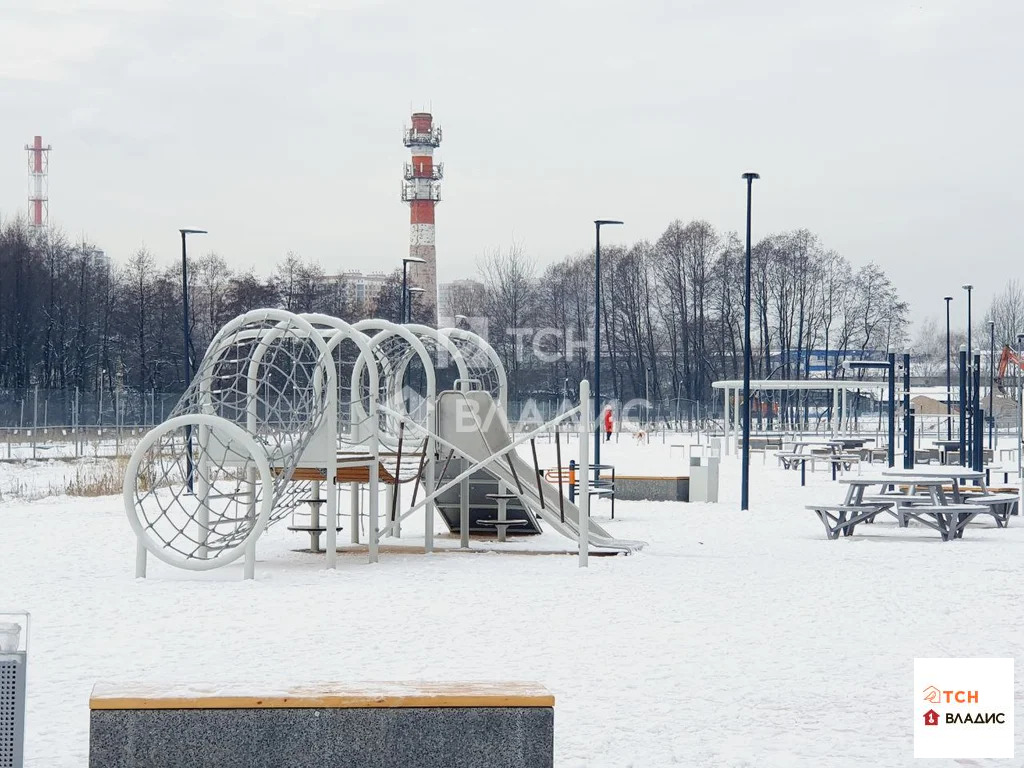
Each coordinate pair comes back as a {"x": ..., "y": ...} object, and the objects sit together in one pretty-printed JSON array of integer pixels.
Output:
[
  {"x": 421, "y": 189},
  {"x": 38, "y": 183}
]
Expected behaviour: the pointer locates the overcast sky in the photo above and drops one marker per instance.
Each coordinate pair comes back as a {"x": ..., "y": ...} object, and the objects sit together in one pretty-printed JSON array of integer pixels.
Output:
[{"x": 891, "y": 129}]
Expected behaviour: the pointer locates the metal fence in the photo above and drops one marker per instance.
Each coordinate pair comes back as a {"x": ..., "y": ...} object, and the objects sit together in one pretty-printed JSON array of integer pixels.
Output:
[{"x": 35, "y": 408}]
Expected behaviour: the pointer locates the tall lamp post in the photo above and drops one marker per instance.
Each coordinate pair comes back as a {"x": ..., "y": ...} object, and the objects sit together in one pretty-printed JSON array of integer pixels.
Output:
[
  {"x": 949, "y": 389},
  {"x": 745, "y": 479},
  {"x": 188, "y": 343},
  {"x": 970, "y": 399},
  {"x": 406, "y": 261},
  {"x": 991, "y": 380},
  {"x": 598, "y": 223},
  {"x": 1020, "y": 404}
]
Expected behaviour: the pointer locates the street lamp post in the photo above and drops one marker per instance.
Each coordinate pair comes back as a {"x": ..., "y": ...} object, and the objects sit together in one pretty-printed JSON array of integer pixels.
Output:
[
  {"x": 949, "y": 390},
  {"x": 598, "y": 223},
  {"x": 991, "y": 381},
  {"x": 406, "y": 261},
  {"x": 970, "y": 421},
  {"x": 188, "y": 342},
  {"x": 745, "y": 480},
  {"x": 1020, "y": 405}
]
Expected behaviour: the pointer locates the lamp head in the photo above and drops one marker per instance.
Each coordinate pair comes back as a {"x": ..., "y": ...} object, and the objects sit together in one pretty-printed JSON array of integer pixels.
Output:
[
  {"x": 413, "y": 260},
  {"x": 967, "y": 286},
  {"x": 750, "y": 176},
  {"x": 947, "y": 298},
  {"x": 417, "y": 290},
  {"x": 602, "y": 222},
  {"x": 193, "y": 231}
]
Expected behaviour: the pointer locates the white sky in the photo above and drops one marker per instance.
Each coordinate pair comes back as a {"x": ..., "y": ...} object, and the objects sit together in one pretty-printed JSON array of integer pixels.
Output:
[{"x": 891, "y": 129}]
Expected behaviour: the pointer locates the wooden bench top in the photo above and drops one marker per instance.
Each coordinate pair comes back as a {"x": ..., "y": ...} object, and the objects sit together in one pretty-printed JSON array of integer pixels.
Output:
[{"x": 368, "y": 695}]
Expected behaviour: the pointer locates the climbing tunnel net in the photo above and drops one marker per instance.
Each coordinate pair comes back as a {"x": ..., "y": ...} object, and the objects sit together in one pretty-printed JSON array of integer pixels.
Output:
[{"x": 278, "y": 399}]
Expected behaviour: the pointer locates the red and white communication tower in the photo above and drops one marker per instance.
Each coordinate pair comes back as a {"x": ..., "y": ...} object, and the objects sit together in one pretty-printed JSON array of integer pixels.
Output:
[
  {"x": 38, "y": 184},
  {"x": 421, "y": 189}
]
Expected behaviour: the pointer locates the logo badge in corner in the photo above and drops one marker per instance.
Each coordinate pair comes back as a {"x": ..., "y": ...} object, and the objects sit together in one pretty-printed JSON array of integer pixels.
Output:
[{"x": 972, "y": 701}]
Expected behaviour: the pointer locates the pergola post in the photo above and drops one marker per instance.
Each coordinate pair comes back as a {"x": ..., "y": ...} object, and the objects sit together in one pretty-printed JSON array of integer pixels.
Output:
[
  {"x": 835, "y": 411},
  {"x": 725, "y": 419},
  {"x": 845, "y": 428},
  {"x": 736, "y": 417}
]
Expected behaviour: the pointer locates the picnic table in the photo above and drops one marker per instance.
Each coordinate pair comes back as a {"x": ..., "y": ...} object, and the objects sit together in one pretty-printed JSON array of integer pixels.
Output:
[
  {"x": 947, "y": 447},
  {"x": 852, "y": 442},
  {"x": 918, "y": 494},
  {"x": 957, "y": 476},
  {"x": 833, "y": 455}
]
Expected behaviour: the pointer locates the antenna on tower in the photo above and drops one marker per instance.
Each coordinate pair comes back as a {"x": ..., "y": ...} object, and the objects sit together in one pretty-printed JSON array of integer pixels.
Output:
[{"x": 38, "y": 183}]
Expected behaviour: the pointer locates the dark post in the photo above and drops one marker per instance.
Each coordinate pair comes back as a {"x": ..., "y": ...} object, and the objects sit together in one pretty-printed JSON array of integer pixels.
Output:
[
  {"x": 949, "y": 389},
  {"x": 979, "y": 443},
  {"x": 908, "y": 429},
  {"x": 970, "y": 379},
  {"x": 598, "y": 223},
  {"x": 892, "y": 408},
  {"x": 188, "y": 344},
  {"x": 745, "y": 471},
  {"x": 963, "y": 405},
  {"x": 405, "y": 287},
  {"x": 406, "y": 316},
  {"x": 991, "y": 383}
]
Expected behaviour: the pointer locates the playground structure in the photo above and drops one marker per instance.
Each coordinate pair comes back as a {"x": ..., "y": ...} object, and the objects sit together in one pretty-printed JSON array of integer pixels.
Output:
[{"x": 286, "y": 409}]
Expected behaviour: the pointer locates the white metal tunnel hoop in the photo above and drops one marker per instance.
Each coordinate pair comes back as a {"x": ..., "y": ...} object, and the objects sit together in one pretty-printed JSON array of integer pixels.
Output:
[{"x": 144, "y": 520}]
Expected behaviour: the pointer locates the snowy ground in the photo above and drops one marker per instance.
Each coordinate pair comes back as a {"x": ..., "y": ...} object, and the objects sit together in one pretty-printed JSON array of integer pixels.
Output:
[{"x": 734, "y": 639}]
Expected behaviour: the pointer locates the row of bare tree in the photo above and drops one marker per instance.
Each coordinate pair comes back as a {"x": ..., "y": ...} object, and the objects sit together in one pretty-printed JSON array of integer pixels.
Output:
[
  {"x": 671, "y": 313},
  {"x": 70, "y": 318}
]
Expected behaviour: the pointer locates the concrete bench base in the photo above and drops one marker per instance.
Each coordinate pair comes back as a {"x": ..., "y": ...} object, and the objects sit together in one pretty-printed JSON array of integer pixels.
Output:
[
  {"x": 319, "y": 729},
  {"x": 644, "y": 488}
]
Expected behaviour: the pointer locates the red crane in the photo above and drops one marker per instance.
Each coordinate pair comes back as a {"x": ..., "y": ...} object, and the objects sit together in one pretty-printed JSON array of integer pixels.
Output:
[{"x": 1008, "y": 356}]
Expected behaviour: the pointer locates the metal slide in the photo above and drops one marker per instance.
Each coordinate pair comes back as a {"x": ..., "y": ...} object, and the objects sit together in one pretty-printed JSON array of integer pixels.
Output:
[{"x": 477, "y": 429}]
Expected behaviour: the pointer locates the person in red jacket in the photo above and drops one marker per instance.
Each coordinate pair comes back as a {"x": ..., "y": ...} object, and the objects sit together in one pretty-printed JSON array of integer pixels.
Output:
[{"x": 607, "y": 423}]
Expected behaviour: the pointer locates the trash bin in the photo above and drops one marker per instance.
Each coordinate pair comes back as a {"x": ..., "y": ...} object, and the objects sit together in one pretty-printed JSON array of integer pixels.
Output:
[
  {"x": 13, "y": 660},
  {"x": 715, "y": 447},
  {"x": 704, "y": 479}
]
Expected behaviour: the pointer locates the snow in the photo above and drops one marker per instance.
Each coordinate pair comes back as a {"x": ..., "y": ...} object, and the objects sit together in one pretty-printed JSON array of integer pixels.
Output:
[{"x": 733, "y": 639}]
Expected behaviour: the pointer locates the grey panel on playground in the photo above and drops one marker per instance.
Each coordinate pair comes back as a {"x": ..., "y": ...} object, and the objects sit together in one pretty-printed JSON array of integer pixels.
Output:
[
  {"x": 417, "y": 737},
  {"x": 652, "y": 488},
  {"x": 12, "y": 709},
  {"x": 480, "y": 506}
]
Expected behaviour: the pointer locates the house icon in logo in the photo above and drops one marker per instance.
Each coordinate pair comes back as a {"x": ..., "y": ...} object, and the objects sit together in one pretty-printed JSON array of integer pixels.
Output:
[
  {"x": 932, "y": 695},
  {"x": 931, "y": 717}
]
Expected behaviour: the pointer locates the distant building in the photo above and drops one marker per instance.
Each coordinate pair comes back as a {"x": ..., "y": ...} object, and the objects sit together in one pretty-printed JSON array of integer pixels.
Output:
[
  {"x": 359, "y": 286},
  {"x": 827, "y": 360}
]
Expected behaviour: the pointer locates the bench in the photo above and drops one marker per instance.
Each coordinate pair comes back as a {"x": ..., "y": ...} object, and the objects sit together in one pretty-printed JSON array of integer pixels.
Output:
[
  {"x": 843, "y": 518},
  {"x": 949, "y": 520},
  {"x": 1001, "y": 505},
  {"x": 385, "y": 725}
]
